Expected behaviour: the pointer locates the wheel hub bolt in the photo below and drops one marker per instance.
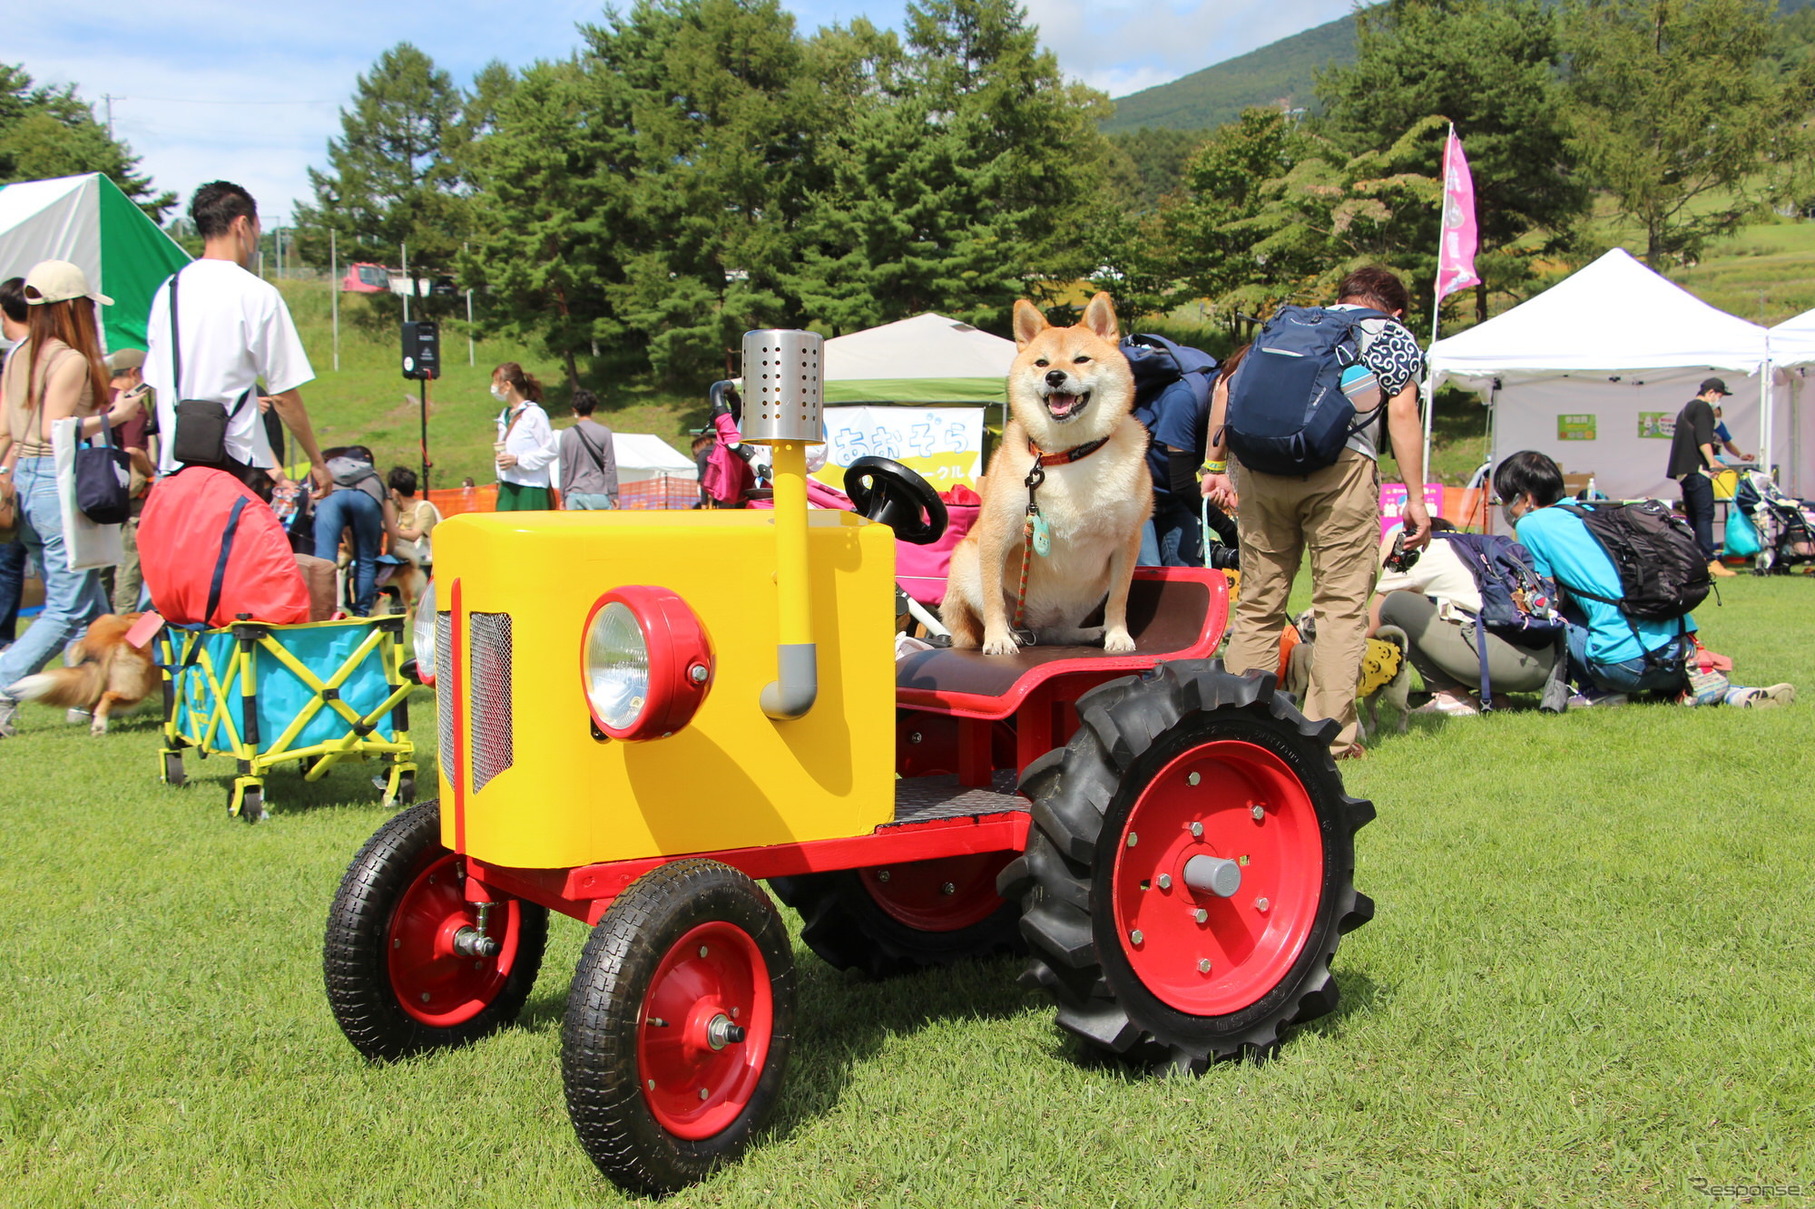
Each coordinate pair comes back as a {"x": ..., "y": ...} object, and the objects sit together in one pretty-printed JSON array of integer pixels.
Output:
[
  {"x": 1203, "y": 965},
  {"x": 720, "y": 1032},
  {"x": 1259, "y": 813},
  {"x": 1260, "y": 904},
  {"x": 948, "y": 888},
  {"x": 471, "y": 942},
  {"x": 1192, "y": 779},
  {"x": 883, "y": 876},
  {"x": 1134, "y": 937},
  {"x": 425, "y": 996},
  {"x": 1201, "y": 915},
  {"x": 650, "y": 1084},
  {"x": 914, "y": 738},
  {"x": 1197, "y": 831},
  {"x": 1133, "y": 839},
  {"x": 702, "y": 1093},
  {"x": 1165, "y": 881},
  {"x": 702, "y": 950}
]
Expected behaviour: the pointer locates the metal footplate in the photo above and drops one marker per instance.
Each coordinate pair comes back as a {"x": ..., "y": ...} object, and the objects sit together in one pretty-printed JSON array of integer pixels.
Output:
[{"x": 918, "y": 799}]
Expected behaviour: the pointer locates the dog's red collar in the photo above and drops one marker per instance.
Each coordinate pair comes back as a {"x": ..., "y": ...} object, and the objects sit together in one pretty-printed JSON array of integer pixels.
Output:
[{"x": 1066, "y": 456}]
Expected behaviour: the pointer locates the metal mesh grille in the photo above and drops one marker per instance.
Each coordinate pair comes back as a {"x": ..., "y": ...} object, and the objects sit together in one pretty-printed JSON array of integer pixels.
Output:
[
  {"x": 488, "y": 688},
  {"x": 446, "y": 707}
]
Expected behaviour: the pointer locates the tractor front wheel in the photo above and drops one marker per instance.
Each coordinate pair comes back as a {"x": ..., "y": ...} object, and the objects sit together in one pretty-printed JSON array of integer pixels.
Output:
[
  {"x": 407, "y": 963},
  {"x": 678, "y": 1026},
  {"x": 1190, "y": 869}
]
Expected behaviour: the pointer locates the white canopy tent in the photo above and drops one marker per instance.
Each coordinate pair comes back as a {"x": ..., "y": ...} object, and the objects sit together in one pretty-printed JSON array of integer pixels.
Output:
[
  {"x": 1594, "y": 370},
  {"x": 1792, "y": 345},
  {"x": 641, "y": 456}
]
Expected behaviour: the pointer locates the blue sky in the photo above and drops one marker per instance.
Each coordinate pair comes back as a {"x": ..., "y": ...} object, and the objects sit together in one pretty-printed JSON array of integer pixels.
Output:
[{"x": 252, "y": 91}]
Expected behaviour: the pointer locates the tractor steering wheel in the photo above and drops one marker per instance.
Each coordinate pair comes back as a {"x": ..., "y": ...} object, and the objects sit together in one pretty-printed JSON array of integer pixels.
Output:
[{"x": 889, "y": 493}]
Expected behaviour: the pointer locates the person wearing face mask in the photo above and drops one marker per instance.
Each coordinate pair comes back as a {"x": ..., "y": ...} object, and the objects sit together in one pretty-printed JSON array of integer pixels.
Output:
[
  {"x": 526, "y": 441},
  {"x": 232, "y": 329}
]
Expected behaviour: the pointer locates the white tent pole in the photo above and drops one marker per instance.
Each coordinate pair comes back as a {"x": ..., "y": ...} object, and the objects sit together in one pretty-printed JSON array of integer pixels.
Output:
[
  {"x": 1430, "y": 389},
  {"x": 334, "y": 292}
]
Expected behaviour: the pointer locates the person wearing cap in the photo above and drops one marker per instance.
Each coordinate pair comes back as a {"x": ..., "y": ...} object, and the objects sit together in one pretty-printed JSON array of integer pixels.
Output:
[
  {"x": 126, "y": 366},
  {"x": 1691, "y": 460},
  {"x": 56, "y": 374},
  {"x": 232, "y": 330}
]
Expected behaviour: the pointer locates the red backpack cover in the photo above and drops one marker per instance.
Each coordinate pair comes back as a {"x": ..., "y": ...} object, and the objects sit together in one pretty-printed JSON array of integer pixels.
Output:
[{"x": 211, "y": 550}]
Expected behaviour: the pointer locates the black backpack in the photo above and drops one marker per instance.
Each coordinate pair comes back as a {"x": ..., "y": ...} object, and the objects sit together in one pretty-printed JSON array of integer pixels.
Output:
[
  {"x": 1663, "y": 572},
  {"x": 1287, "y": 410}
]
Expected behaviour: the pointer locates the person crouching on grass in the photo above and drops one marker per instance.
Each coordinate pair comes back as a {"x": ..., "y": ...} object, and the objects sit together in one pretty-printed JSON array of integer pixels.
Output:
[{"x": 1611, "y": 656}]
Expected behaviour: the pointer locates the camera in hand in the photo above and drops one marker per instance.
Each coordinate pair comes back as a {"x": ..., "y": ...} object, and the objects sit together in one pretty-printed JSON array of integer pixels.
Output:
[{"x": 1222, "y": 558}]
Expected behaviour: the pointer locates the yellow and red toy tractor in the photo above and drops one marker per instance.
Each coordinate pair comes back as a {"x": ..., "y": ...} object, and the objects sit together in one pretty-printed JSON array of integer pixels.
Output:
[{"x": 645, "y": 715}]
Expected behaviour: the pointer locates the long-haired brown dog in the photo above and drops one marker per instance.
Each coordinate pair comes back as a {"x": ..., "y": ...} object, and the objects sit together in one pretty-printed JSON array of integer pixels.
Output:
[
  {"x": 1070, "y": 432},
  {"x": 110, "y": 674}
]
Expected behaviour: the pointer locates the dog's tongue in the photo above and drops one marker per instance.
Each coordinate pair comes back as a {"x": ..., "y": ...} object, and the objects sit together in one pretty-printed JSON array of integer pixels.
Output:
[{"x": 1061, "y": 405}]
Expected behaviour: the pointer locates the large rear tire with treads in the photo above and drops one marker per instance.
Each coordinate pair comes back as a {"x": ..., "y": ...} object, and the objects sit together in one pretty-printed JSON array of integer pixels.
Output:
[{"x": 1190, "y": 869}]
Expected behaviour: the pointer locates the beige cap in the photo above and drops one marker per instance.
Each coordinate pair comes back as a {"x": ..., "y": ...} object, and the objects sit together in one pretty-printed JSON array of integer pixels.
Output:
[
  {"x": 121, "y": 360},
  {"x": 59, "y": 281}
]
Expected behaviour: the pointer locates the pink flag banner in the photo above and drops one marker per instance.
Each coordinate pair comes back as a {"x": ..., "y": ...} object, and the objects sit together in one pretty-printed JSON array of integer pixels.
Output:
[{"x": 1456, "y": 256}]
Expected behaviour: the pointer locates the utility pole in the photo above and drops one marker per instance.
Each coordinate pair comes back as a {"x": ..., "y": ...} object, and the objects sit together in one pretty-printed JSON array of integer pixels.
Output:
[
  {"x": 334, "y": 293},
  {"x": 108, "y": 100},
  {"x": 469, "y": 316},
  {"x": 409, "y": 286}
]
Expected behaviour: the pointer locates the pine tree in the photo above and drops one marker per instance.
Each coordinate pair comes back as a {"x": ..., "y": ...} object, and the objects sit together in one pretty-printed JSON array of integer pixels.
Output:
[
  {"x": 47, "y": 132},
  {"x": 392, "y": 178}
]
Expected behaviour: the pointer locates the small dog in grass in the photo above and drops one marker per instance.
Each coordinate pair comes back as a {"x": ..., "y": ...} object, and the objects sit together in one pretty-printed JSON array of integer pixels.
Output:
[
  {"x": 109, "y": 674},
  {"x": 1386, "y": 672}
]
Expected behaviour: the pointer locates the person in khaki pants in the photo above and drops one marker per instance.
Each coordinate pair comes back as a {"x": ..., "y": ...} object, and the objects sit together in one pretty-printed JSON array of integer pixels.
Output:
[{"x": 1332, "y": 514}]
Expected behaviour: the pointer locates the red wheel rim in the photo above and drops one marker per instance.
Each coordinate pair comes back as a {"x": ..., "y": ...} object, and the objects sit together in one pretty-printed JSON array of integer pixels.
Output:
[
  {"x": 434, "y": 984},
  {"x": 695, "y": 1080},
  {"x": 1194, "y": 949},
  {"x": 939, "y": 896}
]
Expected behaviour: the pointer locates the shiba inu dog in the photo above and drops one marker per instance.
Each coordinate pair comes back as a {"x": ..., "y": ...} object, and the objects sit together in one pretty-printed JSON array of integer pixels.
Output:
[
  {"x": 110, "y": 673},
  {"x": 1069, "y": 488}
]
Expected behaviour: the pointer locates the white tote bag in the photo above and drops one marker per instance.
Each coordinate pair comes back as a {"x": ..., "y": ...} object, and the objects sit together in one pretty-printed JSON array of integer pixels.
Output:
[{"x": 87, "y": 544}]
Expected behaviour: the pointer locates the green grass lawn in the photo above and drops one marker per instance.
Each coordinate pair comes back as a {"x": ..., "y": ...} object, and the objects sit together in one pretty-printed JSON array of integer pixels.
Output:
[{"x": 1587, "y": 984}]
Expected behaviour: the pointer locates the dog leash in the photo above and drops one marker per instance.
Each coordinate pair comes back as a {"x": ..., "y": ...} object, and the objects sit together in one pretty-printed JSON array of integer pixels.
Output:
[{"x": 1036, "y": 536}]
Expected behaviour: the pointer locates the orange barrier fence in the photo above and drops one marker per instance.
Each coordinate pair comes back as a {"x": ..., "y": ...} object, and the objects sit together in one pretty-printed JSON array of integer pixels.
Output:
[
  {"x": 452, "y": 501},
  {"x": 1466, "y": 508}
]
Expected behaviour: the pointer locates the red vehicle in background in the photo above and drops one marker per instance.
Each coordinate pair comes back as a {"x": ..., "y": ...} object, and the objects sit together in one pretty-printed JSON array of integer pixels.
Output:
[{"x": 366, "y": 279}]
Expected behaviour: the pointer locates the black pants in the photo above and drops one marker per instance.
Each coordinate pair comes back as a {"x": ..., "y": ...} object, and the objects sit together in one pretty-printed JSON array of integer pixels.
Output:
[{"x": 1698, "y": 504}]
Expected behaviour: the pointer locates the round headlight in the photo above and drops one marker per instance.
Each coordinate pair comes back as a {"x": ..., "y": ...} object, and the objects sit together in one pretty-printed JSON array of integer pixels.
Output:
[
  {"x": 422, "y": 632},
  {"x": 645, "y": 663}
]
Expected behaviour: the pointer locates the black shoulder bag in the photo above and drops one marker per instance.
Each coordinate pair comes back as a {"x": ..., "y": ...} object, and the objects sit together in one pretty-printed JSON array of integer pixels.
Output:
[
  {"x": 103, "y": 473},
  {"x": 201, "y": 424}
]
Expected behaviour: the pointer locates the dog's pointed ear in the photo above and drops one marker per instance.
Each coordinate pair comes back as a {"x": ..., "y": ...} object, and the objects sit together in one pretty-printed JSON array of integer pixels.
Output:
[
  {"x": 1029, "y": 322},
  {"x": 1099, "y": 317}
]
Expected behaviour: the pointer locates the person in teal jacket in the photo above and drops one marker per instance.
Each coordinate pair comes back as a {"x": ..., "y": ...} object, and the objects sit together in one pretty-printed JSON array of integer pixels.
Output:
[{"x": 1611, "y": 656}]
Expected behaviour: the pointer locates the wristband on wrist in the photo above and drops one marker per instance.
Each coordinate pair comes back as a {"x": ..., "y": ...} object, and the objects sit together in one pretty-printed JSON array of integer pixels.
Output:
[{"x": 1216, "y": 467}]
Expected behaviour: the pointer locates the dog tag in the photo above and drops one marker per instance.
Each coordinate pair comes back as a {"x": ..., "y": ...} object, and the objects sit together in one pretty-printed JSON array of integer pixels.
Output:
[{"x": 1042, "y": 536}]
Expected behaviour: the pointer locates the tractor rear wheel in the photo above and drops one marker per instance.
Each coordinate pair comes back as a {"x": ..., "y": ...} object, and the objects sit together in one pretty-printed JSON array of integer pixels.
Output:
[
  {"x": 407, "y": 966},
  {"x": 678, "y": 1025},
  {"x": 1190, "y": 869},
  {"x": 897, "y": 919}
]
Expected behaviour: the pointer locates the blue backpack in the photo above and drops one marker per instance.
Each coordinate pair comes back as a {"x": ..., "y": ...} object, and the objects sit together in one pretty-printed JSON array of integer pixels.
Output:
[
  {"x": 1287, "y": 410},
  {"x": 1161, "y": 367},
  {"x": 1517, "y": 603}
]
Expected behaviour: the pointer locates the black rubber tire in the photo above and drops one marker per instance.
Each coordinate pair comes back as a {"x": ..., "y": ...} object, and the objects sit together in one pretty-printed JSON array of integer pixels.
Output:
[
  {"x": 354, "y": 959},
  {"x": 842, "y": 923},
  {"x": 1129, "y": 729},
  {"x": 599, "y": 1060},
  {"x": 173, "y": 770}
]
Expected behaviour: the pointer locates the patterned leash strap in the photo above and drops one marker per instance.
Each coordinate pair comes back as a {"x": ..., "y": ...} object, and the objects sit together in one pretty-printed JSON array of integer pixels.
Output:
[{"x": 1034, "y": 478}]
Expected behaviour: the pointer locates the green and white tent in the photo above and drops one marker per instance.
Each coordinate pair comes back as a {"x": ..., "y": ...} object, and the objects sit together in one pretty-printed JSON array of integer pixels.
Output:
[
  {"x": 926, "y": 359},
  {"x": 87, "y": 220}
]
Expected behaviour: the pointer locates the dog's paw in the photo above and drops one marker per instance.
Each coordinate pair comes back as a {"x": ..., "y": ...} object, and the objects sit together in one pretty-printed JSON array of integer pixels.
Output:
[
  {"x": 98, "y": 727},
  {"x": 1000, "y": 644},
  {"x": 1118, "y": 642}
]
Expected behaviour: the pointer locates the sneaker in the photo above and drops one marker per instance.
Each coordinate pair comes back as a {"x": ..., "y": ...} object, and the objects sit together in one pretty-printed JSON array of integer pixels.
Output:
[
  {"x": 1450, "y": 705},
  {"x": 1720, "y": 569},
  {"x": 1592, "y": 698},
  {"x": 78, "y": 717},
  {"x": 9, "y": 709},
  {"x": 1762, "y": 698}
]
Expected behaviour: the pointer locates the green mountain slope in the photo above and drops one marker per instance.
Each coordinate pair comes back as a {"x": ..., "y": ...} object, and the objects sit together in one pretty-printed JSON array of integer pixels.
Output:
[{"x": 1285, "y": 69}]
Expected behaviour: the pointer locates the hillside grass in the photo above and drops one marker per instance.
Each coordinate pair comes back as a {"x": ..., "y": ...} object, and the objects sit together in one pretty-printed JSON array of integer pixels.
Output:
[{"x": 1587, "y": 983}]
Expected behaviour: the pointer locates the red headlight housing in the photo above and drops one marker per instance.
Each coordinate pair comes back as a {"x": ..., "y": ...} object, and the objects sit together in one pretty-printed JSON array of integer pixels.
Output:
[{"x": 645, "y": 663}]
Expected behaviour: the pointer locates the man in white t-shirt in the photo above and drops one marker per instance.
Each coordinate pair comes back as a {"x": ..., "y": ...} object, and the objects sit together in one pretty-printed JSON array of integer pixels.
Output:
[{"x": 234, "y": 330}]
